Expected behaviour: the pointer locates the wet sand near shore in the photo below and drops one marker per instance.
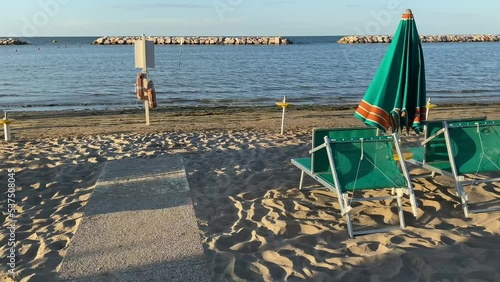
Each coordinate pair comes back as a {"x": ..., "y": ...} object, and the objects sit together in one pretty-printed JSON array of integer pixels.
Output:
[{"x": 31, "y": 125}]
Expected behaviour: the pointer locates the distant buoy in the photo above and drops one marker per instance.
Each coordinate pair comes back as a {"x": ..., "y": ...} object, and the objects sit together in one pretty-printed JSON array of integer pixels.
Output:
[{"x": 54, "y": 41}]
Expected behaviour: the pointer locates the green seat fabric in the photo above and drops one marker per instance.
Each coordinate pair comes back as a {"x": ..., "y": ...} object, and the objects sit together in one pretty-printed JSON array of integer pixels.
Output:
[
  {"x": 376, "y": 169},
  {"x": 304, "y": 162},
  {"x": 320, "y": 158},
  {"x": 475, "y": 146},
  {"x": 445, "y": 166},
  {"x": 435, "y": 152},
  {"x": 418, "y": 153}
]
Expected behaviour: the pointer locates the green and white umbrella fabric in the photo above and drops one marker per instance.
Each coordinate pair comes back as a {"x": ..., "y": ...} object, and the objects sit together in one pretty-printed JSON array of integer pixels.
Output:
[{"x": 396, "y": 97}]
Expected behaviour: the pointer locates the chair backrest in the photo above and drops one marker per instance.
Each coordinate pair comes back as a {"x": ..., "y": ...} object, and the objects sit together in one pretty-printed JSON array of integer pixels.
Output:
[
  {"x": 366, "y": 164},
  {"x": 435, "y": 150},
  {"x": 474, "y": 146},
  {"x": 320, "y": 161}
]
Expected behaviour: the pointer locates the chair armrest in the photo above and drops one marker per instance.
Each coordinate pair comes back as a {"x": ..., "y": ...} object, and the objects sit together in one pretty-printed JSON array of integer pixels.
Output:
[
  {"x": 441, "y": 131},
  {"x": 317, "y": 148}
]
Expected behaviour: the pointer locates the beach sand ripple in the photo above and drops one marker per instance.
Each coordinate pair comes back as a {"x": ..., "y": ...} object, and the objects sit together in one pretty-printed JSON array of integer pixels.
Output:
[{"x": 255, "y": 224}]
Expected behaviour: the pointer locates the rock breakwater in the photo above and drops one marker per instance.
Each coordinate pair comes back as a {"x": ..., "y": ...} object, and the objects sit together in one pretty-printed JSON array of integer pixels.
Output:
[
  {"x": 167, "y": 40},
  {"x": 356, "y": 39},
  {"x": 13, "y": 41}
]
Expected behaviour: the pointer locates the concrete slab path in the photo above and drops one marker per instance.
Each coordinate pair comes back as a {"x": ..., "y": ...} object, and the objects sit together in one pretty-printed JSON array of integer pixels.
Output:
[{"x": 139, "y": 225}]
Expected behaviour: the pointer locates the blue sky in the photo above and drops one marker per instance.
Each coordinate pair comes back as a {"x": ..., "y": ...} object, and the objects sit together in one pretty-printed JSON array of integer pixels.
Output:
[{"x": 242, "y": 17}]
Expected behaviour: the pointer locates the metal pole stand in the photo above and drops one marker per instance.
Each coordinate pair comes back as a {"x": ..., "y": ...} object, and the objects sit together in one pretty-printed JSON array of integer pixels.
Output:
[
  {"x": 6, "y": 127},
  {"x": 428, "y": 107},
  {"x": 146, "y": 110},
  {"x": 145, "y": 70},
  {"x": 284, "y": 105}
]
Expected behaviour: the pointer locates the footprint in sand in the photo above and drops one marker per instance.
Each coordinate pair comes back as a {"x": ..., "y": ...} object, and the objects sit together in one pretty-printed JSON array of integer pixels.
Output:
[
  {"x": 29, "y": 249},
  {"x": 247, "y": 247},
  {"x": 68, "y": 209},
  {"x": 278, "y": 259},
  {"x": 397, "y": 240},
  {"x": 480, "y": 275},
  {"x": 363, "y": 249},
  {"x": 58, "y": 244},
  {"x": 244, "y": 240}
]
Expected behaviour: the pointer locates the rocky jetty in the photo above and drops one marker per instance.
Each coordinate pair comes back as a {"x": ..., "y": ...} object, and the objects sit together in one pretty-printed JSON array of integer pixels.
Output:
[
  {"x": 12, "y": 41},
  {"x": 424, "y": 38},
  {"x": 167, "y": 40}
]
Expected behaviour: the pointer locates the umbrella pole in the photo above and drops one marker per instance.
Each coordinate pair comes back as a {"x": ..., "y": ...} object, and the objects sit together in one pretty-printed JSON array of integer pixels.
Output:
[
  {"x": 428, "y": 107},
  {"x": 6, "y": 127},
  {"x": 283, "y": 104},
  {"x": 283, "y": 121}
]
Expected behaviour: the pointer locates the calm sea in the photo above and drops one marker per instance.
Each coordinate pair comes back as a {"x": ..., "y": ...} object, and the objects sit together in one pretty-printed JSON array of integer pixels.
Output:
[{"x": 73, "y": 74}]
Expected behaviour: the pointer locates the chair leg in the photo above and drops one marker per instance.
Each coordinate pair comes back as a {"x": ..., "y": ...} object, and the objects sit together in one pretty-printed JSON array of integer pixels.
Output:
[
  {"x": 301, "y": 179},
  {"x": 393, "y": 190},
  {"x": 414, "y": 204},
  {"x": 400, "y": 209},
  {"x": 463, "y": 196},
  {"x": 349, "y": 225},
  {"x": 345, "y": 209}
]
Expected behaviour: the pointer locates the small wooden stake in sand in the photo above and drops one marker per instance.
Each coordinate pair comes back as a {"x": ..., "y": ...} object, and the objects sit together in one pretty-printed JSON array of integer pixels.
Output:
[
  {"x": 144, "y": 58},
  {"x": 283, "y": 104},
  {"x": 6, "y": 127}
]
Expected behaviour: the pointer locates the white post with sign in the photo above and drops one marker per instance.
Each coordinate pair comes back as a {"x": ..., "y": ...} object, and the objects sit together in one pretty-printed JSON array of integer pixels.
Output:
[
  {"x": 284, "y": 105},
  {"x": 6, "y": 126},
  {"x": 144, "y": 59}
]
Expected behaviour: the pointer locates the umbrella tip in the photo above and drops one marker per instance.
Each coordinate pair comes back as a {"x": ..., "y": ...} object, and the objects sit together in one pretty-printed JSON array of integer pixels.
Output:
[{"x": 408, "y": 12}]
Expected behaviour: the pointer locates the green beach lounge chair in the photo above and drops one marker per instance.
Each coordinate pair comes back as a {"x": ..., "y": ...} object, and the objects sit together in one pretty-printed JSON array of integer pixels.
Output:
[
  {"x": 458, "y": 148},
  {"x": 318, "y": 162},
  {"x": 462, "y": 149},
  {"x": 433, "y": 155},
  {"x": 356, "y": 164}
]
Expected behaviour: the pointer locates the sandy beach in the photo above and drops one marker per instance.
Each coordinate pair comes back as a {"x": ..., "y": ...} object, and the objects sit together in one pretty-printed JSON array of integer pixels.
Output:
[{"x": 254, "y": 223}]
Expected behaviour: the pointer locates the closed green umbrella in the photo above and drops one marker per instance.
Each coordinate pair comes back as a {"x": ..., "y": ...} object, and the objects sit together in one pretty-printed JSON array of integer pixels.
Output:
[{"x": 396, "y": 96}]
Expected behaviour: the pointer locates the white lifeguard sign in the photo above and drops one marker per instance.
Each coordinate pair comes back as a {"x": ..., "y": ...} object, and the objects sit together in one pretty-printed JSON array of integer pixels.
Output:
[
  {"x": 144, "y": 54},
  {"x": 144, "y": 59}
]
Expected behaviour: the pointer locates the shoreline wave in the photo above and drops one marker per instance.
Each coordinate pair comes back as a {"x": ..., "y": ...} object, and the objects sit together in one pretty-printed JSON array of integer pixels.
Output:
[{"x": 168, "y": 106}]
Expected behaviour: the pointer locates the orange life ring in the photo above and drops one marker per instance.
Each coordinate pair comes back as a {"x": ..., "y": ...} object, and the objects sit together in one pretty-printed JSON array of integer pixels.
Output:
[
  {"x": 151, "y": 94},
  {"x": 139, "y": 86},
  {"x": 152, "y": 99}
]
